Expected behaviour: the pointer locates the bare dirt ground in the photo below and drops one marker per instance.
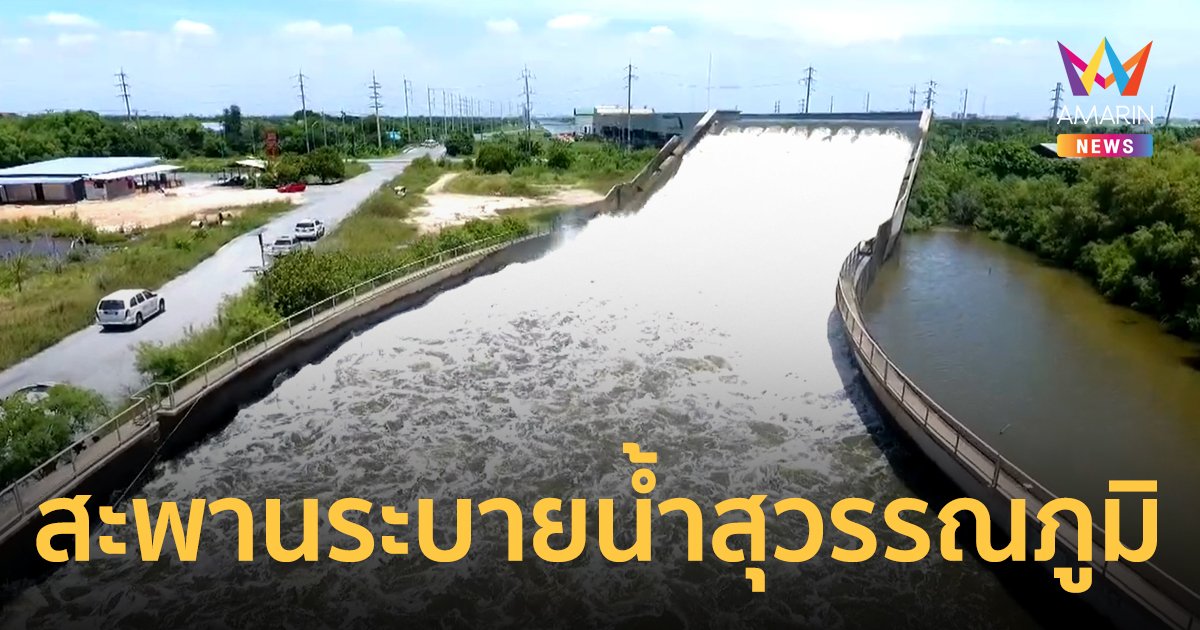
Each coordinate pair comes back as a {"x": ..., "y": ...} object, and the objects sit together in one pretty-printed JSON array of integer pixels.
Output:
[
  {"x": 447, "y": 209},
  {"x": 150, "y": 209}
]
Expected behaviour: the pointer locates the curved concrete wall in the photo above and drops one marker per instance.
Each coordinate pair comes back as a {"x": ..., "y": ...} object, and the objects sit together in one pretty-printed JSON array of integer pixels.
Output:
[{"x": 1132, "y": 595}]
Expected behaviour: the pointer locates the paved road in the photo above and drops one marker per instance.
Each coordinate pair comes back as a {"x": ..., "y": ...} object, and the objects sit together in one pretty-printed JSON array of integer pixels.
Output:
[{"x": 104, "y": 361}]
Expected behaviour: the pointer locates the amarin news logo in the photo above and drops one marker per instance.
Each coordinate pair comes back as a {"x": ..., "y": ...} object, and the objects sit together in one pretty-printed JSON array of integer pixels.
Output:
[
  {"x": 1081, "y": 84},
  {"x": 1127, "y": 77}
]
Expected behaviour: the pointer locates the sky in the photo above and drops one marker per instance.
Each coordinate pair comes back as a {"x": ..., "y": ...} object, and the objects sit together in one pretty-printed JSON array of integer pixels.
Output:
[{"x": 199, "y": 57}]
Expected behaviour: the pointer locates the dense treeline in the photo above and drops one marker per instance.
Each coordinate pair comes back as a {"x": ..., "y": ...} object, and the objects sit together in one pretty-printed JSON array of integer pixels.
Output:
[
  {"x": 1129, "y": 225},
  {"x": 82, "y": 133}
]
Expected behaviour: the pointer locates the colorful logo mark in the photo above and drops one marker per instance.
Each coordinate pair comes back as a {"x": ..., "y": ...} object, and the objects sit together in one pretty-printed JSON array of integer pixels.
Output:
[
  {"x": 1092, "y": 145},
  {"x": 1081, "y": 84}
]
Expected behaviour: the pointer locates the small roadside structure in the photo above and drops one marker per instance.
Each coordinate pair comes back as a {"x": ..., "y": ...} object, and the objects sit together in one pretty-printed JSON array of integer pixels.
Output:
[{"x": 69, "y": 180}]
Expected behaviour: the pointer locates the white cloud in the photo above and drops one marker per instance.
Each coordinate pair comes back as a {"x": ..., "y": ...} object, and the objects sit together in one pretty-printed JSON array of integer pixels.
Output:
[
  {"x": 574, "y": 21},
  {"x": 313, "y": 28},
  {"x": 19, "y": 44},
  {"x": 188, "y": 27},
  {"x": 72, "y": 39},
  {"x": 506, "y": 26},
  {"x": 662, "y": 31},
  {"x": 1002, "y": 41},
  {"x": 66, "y": 19},
  {"x": 133, "y": 34}
]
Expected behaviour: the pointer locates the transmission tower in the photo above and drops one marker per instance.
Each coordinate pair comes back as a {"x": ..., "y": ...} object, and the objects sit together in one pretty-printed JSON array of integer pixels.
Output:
[
  {"x": 807, "y": 81},
  {"x": 776, "y": 107},
  {"x": 525, "y": 76},
  {"x": 1057, "y": 107},
  {"x": 930, "y": 92},
  {"x": 912, "y": 99},
  {"x": 867, "y": 107},
  {"x": 629, "y": 78},
  {"x": 375, "y": 104},
  {"x": 304, "y": 110},
  {"x": 123, "y": 84}
]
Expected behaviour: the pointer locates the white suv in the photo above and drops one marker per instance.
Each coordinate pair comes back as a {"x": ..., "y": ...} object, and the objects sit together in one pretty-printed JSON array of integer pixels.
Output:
[
  {"x": 309, "y": 230},
  {"x": 130, "y": 307}
]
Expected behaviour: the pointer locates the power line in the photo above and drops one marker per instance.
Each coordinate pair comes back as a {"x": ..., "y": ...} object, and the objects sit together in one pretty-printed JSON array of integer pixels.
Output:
[
  {"x": 304, "y": 111},
  {"x": 629, "y": 105},
  {"x": 376, "y": 105},
  {"x": 808, "y": 81},
  {"x": 708, "y": 103}
]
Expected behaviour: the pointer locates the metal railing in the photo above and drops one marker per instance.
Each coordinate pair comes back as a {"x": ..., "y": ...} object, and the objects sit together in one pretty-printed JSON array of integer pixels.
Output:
[
  {"x": 1158, "y": 592},
  {"x": 22, "y": 497}
]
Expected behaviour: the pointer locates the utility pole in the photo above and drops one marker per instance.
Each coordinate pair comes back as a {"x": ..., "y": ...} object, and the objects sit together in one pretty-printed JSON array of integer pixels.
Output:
[
  {"x": 629, "y": 105},
  {"x": 808, "y": 81},
  {"x": 1170, "y": 104},
  {"x": 407, "y": 123},
  {"x": 1057, "y": 104},
  {"x": 525, "y": 76},
  {"x": 428, "y": 113},
  {"x": 304, "y": 111},
  {"x": 124, "y": 85},
  {"x": 375, "y": 104},
  {"x": 445, "y": 129},
  {"x": 930, "y": 92},
  {"x": 830, "y": 104},
  {"x": 867, "y": 108},
  {"x": 776, "y": 107},
  {"x": 325, "y": 128}
]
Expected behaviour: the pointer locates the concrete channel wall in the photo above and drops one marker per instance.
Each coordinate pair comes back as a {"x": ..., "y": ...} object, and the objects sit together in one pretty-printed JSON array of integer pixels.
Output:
[
  {"x": 1134, "y": 595},
  {"x": 167, "y": 418}
]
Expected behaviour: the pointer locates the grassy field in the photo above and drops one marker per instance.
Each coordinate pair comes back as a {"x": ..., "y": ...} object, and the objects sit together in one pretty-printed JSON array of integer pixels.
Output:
[
  {"x": 43, "y": 301},
  {"x": 594, "y": 166},
  {"x": 354, "y": 168}
]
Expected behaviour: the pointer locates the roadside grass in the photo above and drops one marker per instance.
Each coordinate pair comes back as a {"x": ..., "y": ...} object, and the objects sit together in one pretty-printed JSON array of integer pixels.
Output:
[
  {"x": 58, "y": 298},
  {"x": 354, "y": 168},
  {"x": 499, "y": 185},
  {"x": 380, "y": 222}
]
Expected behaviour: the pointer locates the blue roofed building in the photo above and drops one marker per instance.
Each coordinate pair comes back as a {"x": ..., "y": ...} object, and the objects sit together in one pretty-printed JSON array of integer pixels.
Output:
[{"x": 72, "y": 179}]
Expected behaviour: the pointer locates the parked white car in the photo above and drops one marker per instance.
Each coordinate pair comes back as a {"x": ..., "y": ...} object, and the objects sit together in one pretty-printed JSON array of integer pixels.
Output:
[
  {"x": 309, "y": 230},
  {"x": 130, "y": 307},
  {"x": 283, "y": 245}
]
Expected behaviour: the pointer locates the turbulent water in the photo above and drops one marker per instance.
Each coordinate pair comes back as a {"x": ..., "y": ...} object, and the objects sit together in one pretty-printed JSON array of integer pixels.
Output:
[{"x": 701, "y": 328}]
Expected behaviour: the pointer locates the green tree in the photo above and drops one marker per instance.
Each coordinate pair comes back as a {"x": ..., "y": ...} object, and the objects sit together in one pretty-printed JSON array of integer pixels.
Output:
[
  {"x": 231, "y": 122},
  {"x": 495, "y": 157},
  {"x": 326, "y": 164},
  {"x": 460, "y": 143},
  {"x": 32, "y": 431},
  {"x": 559, "y": 157}
]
